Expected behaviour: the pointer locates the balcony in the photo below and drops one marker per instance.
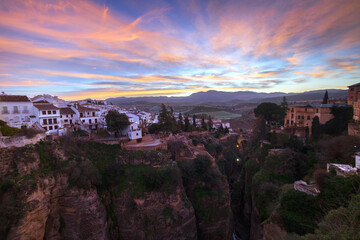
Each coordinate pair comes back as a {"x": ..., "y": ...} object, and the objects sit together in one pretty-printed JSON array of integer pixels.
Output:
[
  {"x": 5, "y": 112},
  {"x": 25, "y": 111},
  {"x": 16, "y": 112}
]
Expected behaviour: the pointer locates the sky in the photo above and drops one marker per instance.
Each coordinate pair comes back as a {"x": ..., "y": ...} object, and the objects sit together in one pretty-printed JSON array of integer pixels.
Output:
[{"x": 98, "y": 49}]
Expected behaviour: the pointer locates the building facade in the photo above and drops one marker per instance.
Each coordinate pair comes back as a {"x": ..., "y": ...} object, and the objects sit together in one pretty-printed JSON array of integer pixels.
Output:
[
  {"x": 48, "y": 116},
  {"x": 16, "y": 110}
]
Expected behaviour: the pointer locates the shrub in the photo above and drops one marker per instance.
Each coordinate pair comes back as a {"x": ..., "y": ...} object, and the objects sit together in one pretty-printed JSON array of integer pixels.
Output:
[
  {"x": 299, "y": 211},
  {"x": 8, "y": 131}
]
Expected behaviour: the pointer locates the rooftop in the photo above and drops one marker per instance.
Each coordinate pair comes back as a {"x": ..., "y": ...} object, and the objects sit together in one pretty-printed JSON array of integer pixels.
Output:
[
  {"x": 86, "y": 109},
  {"x": 14, "y": 98},
  {"x": 65, "y": 111},
  {"x": 45, "y": 107},
  {"x": 355, "y": 85}
]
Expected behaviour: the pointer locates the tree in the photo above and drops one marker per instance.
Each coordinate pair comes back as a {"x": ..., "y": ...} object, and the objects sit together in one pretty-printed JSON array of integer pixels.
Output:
[
  {"x": 226, "y": 130},
  {"x": 186, "y": 124},
  {"x": 339, "y": 124},
  {"x": 315, "y": 128},
  {"x": 167, "y": 121},
  {"x": 180, "y": 122},
  {"x": 210, "y": 123},
  {"x": 164, "y": 115},
  {"x": 116, "y": 121},
  {"x": 284, "y": 106},
  {"x": 194, "y": 120},
  {"x": 326, "y": 98},
  {"x": 203, "y": 124},
  {"x": 270, "y": 112}
]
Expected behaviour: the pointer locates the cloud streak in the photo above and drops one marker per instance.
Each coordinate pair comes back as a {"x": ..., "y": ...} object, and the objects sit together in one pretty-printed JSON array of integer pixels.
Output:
[{"x": 204, "y": 45}]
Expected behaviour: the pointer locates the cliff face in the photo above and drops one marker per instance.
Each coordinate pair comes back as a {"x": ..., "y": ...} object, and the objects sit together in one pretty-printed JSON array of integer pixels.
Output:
[
  {"x": 156, "y": 215},
  {"x": 47, "y": 193}
]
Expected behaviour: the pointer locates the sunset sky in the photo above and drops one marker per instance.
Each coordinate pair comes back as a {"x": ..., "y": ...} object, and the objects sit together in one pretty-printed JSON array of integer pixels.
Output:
[{"x": 78, "y": 49}]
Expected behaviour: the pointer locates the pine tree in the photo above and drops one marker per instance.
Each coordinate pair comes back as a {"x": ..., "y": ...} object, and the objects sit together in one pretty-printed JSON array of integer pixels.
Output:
[
  {"x": 203, "y": 124},
  {"x": 180, "y": 122},
  {"x": 210, "y": 123},
  {"x": 284, "y": 106},
  {"x": 186, "y": 124},
  {"x": 326, "y": 98}
]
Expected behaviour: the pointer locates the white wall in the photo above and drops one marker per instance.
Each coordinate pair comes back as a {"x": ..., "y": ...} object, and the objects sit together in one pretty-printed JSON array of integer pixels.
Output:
[{"x": 19, "y": 118}]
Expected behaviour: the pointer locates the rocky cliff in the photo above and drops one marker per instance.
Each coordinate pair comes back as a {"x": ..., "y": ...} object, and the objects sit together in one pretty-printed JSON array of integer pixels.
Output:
[{"x": 85, "y": 190}]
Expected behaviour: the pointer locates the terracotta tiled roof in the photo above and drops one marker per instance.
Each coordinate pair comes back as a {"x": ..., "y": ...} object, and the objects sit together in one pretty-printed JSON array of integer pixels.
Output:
[
  {"x": 41, "y": 102},
  {"x": 64, "y": 111},
  {"x": 45, "y": 107},
  {"x": 14, "y": 98},
  {"x": 86, "y": 109}
]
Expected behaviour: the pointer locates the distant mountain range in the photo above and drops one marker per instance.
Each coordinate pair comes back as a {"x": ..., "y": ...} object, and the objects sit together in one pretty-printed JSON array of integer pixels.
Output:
[{"x": 240, "y": 96}]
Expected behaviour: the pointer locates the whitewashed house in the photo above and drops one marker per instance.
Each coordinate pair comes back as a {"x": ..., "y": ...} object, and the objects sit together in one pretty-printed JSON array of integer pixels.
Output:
[
  {"x": 16, "y": 110},
  {"x": 133, "y": 131},
  {"x": 68, "y": 117},
  {"x": 47, "y": 115},
  {"x": 89, "y": 118}
]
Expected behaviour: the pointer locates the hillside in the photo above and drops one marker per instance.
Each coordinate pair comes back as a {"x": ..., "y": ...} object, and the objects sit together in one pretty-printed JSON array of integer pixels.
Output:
[{"x": 236, "y": 97}]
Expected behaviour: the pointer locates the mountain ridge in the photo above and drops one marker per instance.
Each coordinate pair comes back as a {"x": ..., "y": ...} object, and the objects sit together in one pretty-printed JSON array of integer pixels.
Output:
[{"x": 242, "y": 96}]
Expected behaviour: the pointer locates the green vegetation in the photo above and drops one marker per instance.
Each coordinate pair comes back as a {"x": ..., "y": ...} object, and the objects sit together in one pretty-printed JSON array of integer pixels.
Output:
[
  {"x": 116, "y": 121},
  {"x": 7, "y": 130}
]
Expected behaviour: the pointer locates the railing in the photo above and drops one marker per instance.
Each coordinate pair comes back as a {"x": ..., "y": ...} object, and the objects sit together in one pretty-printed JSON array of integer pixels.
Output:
[
  {"x": 16, "y": 112},
  {"x": 5, "y": 112}
]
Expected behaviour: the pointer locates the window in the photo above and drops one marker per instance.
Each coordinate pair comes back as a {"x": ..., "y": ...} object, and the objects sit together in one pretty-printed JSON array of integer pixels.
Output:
[
  {"x": 71, "y": 115},
  {"x": 137, "y": 134},
  {"x": 95, "y": 120},
  {"x": 25, "y": 109},
  {"x": 317, "y": 110},
  {"x": 49, "y": 112},
  {"x": 292, "y": 110},
  {"x": 5, "y": 110},
  {"x": 44, "y": 121},
  {"x": 83, "y": 121},
  {"x": 302, "y": 117},
  {"x": 298, "y": 116},
  {"x": 292, "y": 115},
  {"x": 89, "y": 121},
  {"x": 55, "y": 121},
  {"x": 81, "y": 114},
  {"x": 352, "y": 89},
  {"x": 308, "y": 117},
  {"x": 67, "y": 115},
  {"x": 56, "y": 127},
  {"x": 54, "y": 112},
  {"x": 50, "y": 127},
  {"x": 287, "y": 122},
  {"x": 43, "y": 112},
  {"x": 45, "y": 128},
  {"x": 50, "y": 121},
  {"x": 16, "y": 109},
  {"x": 66, "y": 120},
  {"x": 292, "y": 122},
  {"x": 60, "y": 116},
  {"x": 93, "y": 114}
]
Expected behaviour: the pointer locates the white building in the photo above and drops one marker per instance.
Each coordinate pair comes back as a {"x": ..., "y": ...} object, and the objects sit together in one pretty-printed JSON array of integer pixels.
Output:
[
  {"x": 16, "y": 110},
  {"x": 68, "y": 117},
  {"x": 133, "y": 131},
  {"x": 89, "y": 117},
  {"x": 54, "y": 100},
  {"x": 47, "y": 115},
  {"x": 133, "y": 118}
]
